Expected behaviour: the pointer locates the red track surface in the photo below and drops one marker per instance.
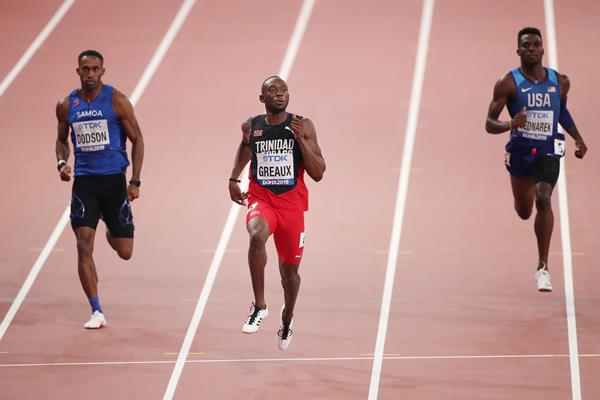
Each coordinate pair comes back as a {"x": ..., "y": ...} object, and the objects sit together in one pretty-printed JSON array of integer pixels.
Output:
[
  {"x": 19, "y": 27},
  {"x": 464, "y": 284}
]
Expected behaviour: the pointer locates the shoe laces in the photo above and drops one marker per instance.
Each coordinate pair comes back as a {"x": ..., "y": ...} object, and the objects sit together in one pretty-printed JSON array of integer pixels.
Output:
[
  {"x": 252, "y": 317},
  {"x": 285, "y": 331},
  {"x": 543, "y": 272}
]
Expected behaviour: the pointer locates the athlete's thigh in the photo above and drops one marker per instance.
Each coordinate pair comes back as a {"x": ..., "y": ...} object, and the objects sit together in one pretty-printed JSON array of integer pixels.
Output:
[
  {"x": 289, "y": 236},
  {"x": 259, "y": 214},
  {"x": 116, "y": 209},
  {"x": 523, "y": 190},
  {"x": 85, "y": 203}
]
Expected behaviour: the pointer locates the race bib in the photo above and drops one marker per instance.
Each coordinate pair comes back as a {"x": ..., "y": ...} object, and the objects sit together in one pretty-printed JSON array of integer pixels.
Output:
[
  {"x": 539, "y": 125},
  {"x": 507, "y": 159},
  {"x": 91, "y": 135},
  {"x": 559, "y": 147},
  {"x": 275, "y": 168}
]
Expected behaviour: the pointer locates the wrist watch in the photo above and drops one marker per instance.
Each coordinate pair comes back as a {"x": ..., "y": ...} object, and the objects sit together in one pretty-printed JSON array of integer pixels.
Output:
[
  {"x": 61, "y": 164},
  {"x": 135, "y": 182}
]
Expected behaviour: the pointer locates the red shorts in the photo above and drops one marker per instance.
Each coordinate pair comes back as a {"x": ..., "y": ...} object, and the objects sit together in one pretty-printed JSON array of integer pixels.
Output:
[{"x": 285, "y": 224}]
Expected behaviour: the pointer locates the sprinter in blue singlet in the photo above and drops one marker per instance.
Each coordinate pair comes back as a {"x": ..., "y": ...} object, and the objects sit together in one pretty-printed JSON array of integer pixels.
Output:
[
  {"x": 536, "y": 99},
  {"x": 99, "y": 120}
]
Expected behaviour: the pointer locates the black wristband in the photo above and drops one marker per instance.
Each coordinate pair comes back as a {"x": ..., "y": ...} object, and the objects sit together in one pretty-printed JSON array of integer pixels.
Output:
[
  {"x": 234, "y": 180},
  {"x": 135, "y": 182}
]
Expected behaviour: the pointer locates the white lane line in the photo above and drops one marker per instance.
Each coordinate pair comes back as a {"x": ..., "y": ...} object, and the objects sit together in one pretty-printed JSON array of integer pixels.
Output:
[
  {"x": 565, "y": 231},
  {"x": 64, "y": 219},
  {"x": 160, "y": 52},
  {"x": 284, "y": 70},
  {"x": 35, "y": 270},
  {"x": 35, "y": 45},
  {"x": 296, "y": 39},
  {"x": 409, "y": 141},
  {"x": 296, "y": 359}
]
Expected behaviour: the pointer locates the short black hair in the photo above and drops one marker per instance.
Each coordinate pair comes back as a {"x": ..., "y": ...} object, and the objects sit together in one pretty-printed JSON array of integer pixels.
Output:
[
  {"x": 268, "y": 79},
  {"x": 92, "y": 53},
  {"x": 529, "y": 30}
]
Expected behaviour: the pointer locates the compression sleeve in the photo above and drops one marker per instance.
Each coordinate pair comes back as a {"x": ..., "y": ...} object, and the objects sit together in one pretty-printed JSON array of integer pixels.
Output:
[{"x": 565, "y": 119}]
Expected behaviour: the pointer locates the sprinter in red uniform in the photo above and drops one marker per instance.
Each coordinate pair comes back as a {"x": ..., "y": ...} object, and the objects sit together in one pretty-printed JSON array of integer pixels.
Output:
[{"x": 280, "y": 147}]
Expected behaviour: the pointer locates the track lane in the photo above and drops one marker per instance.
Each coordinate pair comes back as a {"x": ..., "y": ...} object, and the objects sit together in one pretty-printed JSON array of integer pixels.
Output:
[
  {"x": 467, "y": 285},
  {"x": 574, "y": 27},
  {"x": 46, "y": 329},
  {"x": 30, "y": 128},
  {"x": 344, "y": 98}
]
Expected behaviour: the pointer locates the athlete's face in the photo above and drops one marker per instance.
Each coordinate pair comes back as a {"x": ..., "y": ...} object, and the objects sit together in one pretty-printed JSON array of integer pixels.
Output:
[
  {"x": 90, "y": 71},
  {"x": 275, "y": 95},
  {"x": 530, "y": 49}
]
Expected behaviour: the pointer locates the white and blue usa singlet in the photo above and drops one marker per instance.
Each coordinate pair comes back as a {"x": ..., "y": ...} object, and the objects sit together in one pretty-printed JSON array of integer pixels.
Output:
[
  {"x": 96, "y": 133},
  {"x": 542, "y": 104}
]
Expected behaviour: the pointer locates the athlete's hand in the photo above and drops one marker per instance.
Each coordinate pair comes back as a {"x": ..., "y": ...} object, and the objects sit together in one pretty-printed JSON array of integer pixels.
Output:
[
  {"x": 236, "y": 194},
  {"x": 520, "y": 119},
  {"x": 581, "y": 148},
  {"x": 133, "y": 192},
  {"x": 65, "y": 173},
  {"x": 297, "y": 126}
]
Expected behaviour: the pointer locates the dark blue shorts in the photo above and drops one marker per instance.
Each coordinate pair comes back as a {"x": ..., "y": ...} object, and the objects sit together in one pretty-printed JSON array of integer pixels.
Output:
[{"x": 542, "y": 168}]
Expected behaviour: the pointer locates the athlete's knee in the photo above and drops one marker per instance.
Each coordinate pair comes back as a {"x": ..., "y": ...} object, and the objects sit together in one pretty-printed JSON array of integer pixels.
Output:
[
  {"x": 523, "y": 212},
  {"x": 125, "y": 253},
  {"x": 84, "y": 248},
  {"x": 258, "y": 238},
  {"x": 258, "y": 230},
  {"x": 85, "y": 244},
  {"x": 543, "y": 202},
  {"x": 290, "y": 278},
  {"x": 122, "y": 246}
]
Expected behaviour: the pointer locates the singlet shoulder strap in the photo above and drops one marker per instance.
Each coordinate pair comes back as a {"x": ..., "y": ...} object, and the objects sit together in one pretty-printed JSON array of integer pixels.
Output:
[
  {"x": 517, "y": 76},
  {"x": 552, "y": 76},
  {"x": 108, "y": 91},
  {"x": 257, "y": 120}
]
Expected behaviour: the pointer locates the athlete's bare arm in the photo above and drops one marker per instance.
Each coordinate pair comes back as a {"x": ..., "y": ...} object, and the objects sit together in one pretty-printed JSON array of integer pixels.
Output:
[
  {"x": 306, "y": 135},
  {"x": 504, "y": 90},
  {"x": 126, "y": 115},
  {"x": 572, "y": 130},
  {"x": 62, "y": 139},
  {"x": 242, "y": 157}
]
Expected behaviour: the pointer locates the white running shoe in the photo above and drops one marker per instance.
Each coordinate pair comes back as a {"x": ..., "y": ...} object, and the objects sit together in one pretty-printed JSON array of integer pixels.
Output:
[
  {"x": 254, "y": 319},
  {"x": 96, "y": 321},
  {"x": 285, "y": 333},
  {"x": 542, "y": 277}
]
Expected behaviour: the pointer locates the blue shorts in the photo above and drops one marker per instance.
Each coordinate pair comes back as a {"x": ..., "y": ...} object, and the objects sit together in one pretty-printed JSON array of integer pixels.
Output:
[{"x": 541, "y": 167}]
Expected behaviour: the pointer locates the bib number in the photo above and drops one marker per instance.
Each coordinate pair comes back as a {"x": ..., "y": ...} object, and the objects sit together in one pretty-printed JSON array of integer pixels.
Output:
[
  {"x": 91, "y": 135},
  {"x": 275, "y": 169},
  {"x": 539, "y": 125}
]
